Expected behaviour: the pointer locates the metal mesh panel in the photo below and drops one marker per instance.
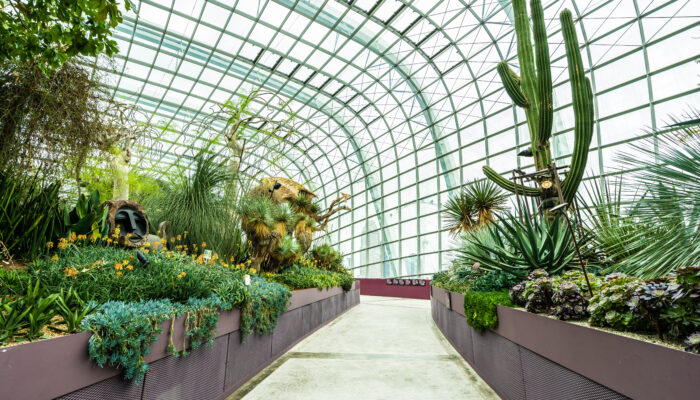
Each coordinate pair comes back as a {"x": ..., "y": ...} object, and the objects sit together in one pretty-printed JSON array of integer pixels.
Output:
[
  {"x": 289, "y": 329},
  {"x": 200, "y": 375},
  {"x": 114, "y": 388},
  {"x": 498, "y": 360},
  {"x": 245, "y": 358},
  {"x": 545, "y": 379},
  {"x": 311, "y": 317}
]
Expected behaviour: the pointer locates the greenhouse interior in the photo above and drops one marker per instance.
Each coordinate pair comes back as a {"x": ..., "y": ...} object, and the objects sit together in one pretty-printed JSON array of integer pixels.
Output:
[{"x": 349, "y": 199}]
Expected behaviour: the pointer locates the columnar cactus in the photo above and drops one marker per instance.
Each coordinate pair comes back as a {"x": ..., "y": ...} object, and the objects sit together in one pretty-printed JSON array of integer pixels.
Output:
[{"x": 533, "y": 91}]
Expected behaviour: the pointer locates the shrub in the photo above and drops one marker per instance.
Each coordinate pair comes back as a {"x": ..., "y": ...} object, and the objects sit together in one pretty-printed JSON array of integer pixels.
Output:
[
  {"x": 651, "y": 299},
  {"x": 494, "y": 281},
  {"x": 113, "y": 274},
  {"x": 568, "y": 302},
  {"x": 611, "y": 307},
  {"x": 480, "y": 308},
  {"x": 327, "y": 257},
  {"x": 303, "y": 277}
]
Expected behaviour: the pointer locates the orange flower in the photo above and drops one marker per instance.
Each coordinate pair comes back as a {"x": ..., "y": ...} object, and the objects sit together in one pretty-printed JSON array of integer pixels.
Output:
[
  {"x": 204, "y": 244},
  {"x": 130, "y": 267},
  {"x": 54, "y": 258},
  {"x": 118, "y": 266},
  {"x": 49, "y": 245}
]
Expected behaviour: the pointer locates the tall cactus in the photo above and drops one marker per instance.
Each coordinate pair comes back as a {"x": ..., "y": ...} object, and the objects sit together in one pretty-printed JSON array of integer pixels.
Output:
[{"x": 533, "y": 91}]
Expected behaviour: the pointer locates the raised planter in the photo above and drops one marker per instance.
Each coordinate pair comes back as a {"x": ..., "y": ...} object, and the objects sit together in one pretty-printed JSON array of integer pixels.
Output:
[
  {"x": 61, "y": 367},
  {"x": 530, "y": 356},
  {"x": 379, "y": 287}
]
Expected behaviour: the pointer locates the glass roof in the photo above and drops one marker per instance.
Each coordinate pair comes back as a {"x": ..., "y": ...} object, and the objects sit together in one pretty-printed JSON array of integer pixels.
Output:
[{"x": 399, "y": 100}]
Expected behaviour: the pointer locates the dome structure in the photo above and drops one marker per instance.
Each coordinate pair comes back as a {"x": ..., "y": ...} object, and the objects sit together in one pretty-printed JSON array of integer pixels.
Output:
[{"x": 398, "y": 102}]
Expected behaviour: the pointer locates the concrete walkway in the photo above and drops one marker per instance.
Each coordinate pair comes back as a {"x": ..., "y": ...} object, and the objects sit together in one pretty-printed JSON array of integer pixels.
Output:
[{"x": 385, "y": 348}]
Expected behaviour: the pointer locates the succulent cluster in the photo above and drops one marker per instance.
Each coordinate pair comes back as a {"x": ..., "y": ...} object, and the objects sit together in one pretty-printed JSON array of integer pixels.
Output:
[
  {"x": 516, "y": 293},
  {"x": 651, "y": 299},
  {"x": 568, "y": 302},
  {"x": 538, "y": 293},
  {"x": 692, "y": 343},
  {"x": 611, "y": 306}
]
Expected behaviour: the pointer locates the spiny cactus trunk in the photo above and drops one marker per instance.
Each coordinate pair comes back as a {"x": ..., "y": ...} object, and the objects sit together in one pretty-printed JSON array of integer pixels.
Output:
[{"x": 533, "y": 92}]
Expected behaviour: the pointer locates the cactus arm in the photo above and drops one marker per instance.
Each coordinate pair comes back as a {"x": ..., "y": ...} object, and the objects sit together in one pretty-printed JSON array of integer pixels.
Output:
[
  {"x": 511, "y": 82},
  {"x": 508, "y": 185},
  {"x": 528, "y": 76},
  {"x": 582, "y": 95},
  {"x": 544, "y": 76}
]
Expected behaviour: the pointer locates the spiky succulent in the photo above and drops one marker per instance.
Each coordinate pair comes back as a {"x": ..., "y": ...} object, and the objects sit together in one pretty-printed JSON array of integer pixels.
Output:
[{"x": 568, "y": 302}]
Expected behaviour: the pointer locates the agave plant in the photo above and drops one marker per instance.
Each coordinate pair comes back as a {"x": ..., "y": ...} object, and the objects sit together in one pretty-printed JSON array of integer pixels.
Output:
[
  {"x": 518, "y": 247},
  {"x": 474, "y": 206}
]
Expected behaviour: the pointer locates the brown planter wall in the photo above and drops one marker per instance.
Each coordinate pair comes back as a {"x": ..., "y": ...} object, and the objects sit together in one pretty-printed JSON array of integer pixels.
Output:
[
  {"x": 534, "y": 357},
  {"x": 61, "y": 368}
]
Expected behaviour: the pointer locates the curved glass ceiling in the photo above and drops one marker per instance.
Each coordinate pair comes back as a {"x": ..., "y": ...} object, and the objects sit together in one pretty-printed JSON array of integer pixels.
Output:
[{"x": 399, "y": 101}]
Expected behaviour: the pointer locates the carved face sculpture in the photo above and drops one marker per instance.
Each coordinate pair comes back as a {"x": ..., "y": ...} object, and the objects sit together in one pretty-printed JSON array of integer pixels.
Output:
[{"x": 131, "y": 221}]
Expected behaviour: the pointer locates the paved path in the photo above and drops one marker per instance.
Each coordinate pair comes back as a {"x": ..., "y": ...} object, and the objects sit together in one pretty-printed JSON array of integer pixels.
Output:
[{"x": 385, "y": 348}]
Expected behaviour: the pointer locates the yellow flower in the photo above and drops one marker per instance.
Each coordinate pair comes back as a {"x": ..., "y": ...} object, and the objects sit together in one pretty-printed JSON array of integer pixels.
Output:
[
  {"x": 128, "y": 235},
  {"x": 167, "y": 255},
  {"x": 62, "y": 244},
  {"x": 109, "y": 240},
  {"x": 252, "y": 270},
  {"x": 49, "y": 245},
  {"x": 204, "y": 244},
  {"x": 179, "y": 237},
  {"x": 82, "y": 237},
  {"x": 54, "y": 258},
  {"x": 130, "y": 267},
  {"x": 146, "y": 251},
  {"x": 119, "y": 273},
  {"x": 72, "y": 237},
  {"x": 172, "y": 239},
  {"x": 118, "y": 266},
  {"x": 148, "y": 244}
]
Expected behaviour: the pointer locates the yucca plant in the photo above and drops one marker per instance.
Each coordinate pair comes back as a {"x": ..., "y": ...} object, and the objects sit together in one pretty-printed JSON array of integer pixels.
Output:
[
  {"x": 303, "y": 230},
  {"x": 519, "y": 247},
  {"x": 474, "y": 206},
  {"x": 286, "y": 253}
]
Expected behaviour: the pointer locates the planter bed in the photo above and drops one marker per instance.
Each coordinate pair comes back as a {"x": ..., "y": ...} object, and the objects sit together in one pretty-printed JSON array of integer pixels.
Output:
[
  {"x": 61, "y": 367},
  {"x": 530, "y": 356}
]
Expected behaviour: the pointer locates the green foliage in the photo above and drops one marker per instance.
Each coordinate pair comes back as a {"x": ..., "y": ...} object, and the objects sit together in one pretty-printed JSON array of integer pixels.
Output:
[
  {"x": 298, "y": 277},
  {"x": 448, "y": 280},
  {"x": 519, "y": 247},
  {"x": 326, "y": 257},
  {"x": 87, "y": 212},
  {"x": 532, "y": 90},
  {"x": 41, "y": 309},
  {"x": 30, "y": 215},
  {"x": 103, "y": 274},
  {"x": 73, "y": 309},
  {"x": 267, "y": 301},
  {"x": 480, "y": 308},
  {"x": 122, "y": 333},
  {"x": 13, "y": 317},
  {"x": 611, "y": 307},
  {"x": 474, "y": 206},
  {"x": 494, "y": 281},
  {"x": 568, "y": 302},
  {"x": 197, "y": 205},
  {"x": 305, "y": 205},
  {"x": 48, "y": 32}
]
